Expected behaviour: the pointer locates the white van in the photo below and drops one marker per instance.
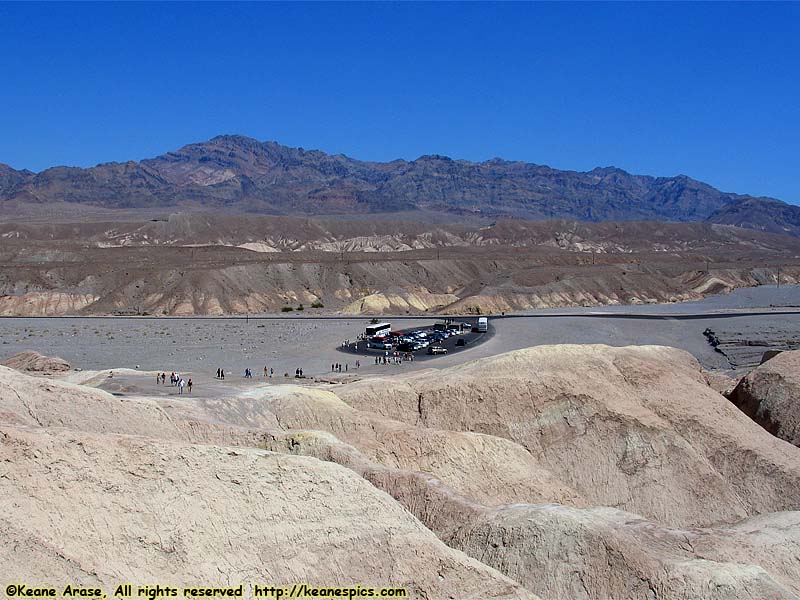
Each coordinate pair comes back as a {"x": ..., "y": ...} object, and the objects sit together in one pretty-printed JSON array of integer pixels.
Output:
[{"x": 483, "y": 325}]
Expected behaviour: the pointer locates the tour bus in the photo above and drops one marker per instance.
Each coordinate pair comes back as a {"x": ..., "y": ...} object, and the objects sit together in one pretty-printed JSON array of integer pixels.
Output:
[
  {"x": 483, "y": 324},
  {"x": 378, "y": 330}
]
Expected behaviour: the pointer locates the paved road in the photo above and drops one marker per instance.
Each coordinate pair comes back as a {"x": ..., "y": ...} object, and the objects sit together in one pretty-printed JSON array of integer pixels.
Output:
[{"x": 648, "y": 316}]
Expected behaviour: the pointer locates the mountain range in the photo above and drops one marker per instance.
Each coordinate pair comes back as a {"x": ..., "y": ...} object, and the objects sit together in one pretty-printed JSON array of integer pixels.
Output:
[{"x": 241, "y": 174}]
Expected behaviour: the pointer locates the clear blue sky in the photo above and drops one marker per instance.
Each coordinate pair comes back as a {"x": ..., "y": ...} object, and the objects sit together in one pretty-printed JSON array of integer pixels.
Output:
[{"x": 708, "y": 90}]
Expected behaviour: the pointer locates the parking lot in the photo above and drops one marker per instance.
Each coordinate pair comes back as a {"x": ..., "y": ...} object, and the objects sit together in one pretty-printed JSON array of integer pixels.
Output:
[{"x": 439, "y": 338}]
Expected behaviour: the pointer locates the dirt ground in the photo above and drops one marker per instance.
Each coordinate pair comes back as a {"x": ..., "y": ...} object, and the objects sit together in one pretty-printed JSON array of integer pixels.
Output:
[{"x": 198, "y": 346}]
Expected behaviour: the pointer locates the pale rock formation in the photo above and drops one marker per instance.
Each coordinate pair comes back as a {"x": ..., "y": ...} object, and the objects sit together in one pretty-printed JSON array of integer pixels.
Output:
[
  {"x": 34, "y": 401},
  {"x": 32, "y": 361},
  {"x": 106, "y": 509},
  {"x": 770, "y": 395},
  {"x": 635, "y": 428},
  {"x": 502, "y": 459}
]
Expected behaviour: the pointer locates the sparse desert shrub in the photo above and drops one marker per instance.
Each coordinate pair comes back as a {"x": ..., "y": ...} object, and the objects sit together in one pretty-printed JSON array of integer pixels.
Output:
[
  {"x": 301, "y": 307},
  {"x": 317, "y": 304},
  {"x": 286, "y": 309}
]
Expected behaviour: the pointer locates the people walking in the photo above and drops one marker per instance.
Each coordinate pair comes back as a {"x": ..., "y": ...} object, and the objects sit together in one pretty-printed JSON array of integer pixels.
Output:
[
  {"x": 181, "y": 383},
  {"x": 189, "y": 385}
]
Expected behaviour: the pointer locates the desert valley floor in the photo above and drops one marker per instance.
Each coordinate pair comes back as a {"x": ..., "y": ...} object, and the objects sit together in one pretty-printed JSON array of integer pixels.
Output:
[
  {"x": 201, "y": 345},
  {"x": 579, "y": 453}
]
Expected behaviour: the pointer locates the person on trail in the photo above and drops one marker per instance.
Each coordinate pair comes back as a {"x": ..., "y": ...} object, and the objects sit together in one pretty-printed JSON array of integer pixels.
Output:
[
  {"x": 218, "y": 371},
  {"x": 189, "y": 385},
  {"x": 266, "y": 371},
  {"x": 181, "y": 383},
  {"x": 163, "y": 378},
  {"x": 222, "y": 373},
  {"x": 158, "y": 378},
  {"x": 271, "y": 371}
]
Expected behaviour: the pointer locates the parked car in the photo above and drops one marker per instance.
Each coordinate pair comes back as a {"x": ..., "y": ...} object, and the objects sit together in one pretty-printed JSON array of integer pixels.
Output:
[
  {"x": 380, "y": 345},
  {"x": 437, "y": 350}
]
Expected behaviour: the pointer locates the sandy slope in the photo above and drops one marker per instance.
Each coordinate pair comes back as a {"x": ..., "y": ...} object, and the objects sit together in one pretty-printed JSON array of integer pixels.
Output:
[
  {"x": 635, "y": 428},
  {"x": 120, "y": 508},
  {"x": 537, "y": 463}
]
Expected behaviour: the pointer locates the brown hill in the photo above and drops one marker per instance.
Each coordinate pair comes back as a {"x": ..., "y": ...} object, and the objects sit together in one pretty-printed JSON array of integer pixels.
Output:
[
  {"x": 244, "y": 174},
  {"x": 206, "y": 264}
]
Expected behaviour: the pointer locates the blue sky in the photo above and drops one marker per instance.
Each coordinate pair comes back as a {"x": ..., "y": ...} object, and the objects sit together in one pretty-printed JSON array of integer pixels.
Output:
[{"x": 707, "y": 90}]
